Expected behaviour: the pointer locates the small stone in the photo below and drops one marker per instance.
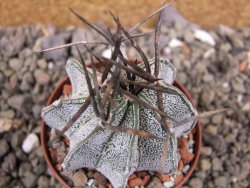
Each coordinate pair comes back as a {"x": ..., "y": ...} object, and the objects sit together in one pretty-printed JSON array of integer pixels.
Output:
[
  {"x": 205, "y": 150},
  {"x": 107, "y": 53},
  {"x": 90, "y": 174},
  {"x": 208, "y": 77},
  {"x": 213, "y": 129},
  {"x": 17, "y": 101},
  {"x": 41, "y": 77},
  {"x": 9, "y": 163},
  {"x": 209, "y": 53},
  {"x": 4, "y": 147},
  {"x": 186, "y": 156},
  {"x": 217, "y": 164},
  {"x": 79, "y": 178},
  {"x": 185, "y": 169},
  {"x": 90, "y": 182},
  {"x": 188, "y": 37},
  {"x": 205, "y": 164},
  {"x": 196, "y": 183},
  {"x": 155, "y": 182},
  {"x": 24, "y": 168},
  {"x": 8, "y": 114},
  {"x": 37, "y": 111},
  {"x": 135, "y": 182},
  {"x": 145, "y": 180},
  {"x": 30, "y": 142},
  {"x": 217, "y": 142},
  {"x": 67, "y": 89},
  {"x": 207, "y": 97},
  {"x": 178, "y": 179},
  {"x": 29, "y": 180},
  {"x": 204, "y": 36},
  {"x": 17, "y": 139},
  {"x": 238, "y": 86},
  {"x": 183, "y": 143},
  {"x": 162, "y": 177},
  {"x": 217, "y": 119},
  {"x": 4, "y": 180},
  {"x": 42, "y": 63},
  {"x": 9, "y": 124},
  {"x": 101, "y": 179},
  {"x": 221, "y": 181},
  {"x": 180, "y": 165},
  {"x": 43, "y": 182},
  {"x": 15, "y": 64},
  {"x": 174, "y": 43},
  {"x": 168, "y": 184}
]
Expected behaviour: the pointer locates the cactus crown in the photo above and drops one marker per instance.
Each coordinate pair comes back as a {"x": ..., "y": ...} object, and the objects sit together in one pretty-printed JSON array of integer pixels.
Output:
[{"x": 125, "y": 118}]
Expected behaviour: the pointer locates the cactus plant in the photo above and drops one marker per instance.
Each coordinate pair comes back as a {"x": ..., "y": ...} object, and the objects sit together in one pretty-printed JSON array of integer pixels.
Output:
[{"x": 126, "y": 118}]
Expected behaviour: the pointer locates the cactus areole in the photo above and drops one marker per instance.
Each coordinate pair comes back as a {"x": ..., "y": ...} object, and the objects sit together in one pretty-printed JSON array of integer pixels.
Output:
[{"x": 118, "y": 154}]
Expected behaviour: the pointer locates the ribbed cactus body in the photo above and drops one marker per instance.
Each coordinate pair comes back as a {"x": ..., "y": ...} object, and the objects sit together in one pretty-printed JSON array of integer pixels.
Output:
[{"x": 117, "y": 154}]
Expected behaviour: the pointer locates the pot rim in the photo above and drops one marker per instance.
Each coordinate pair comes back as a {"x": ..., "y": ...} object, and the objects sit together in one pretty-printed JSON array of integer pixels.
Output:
[{"x": 57, "y": 93}]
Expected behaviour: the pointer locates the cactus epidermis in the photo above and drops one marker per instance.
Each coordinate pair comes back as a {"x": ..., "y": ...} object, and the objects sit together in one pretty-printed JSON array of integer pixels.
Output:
[{"x": 117, "y": 154}]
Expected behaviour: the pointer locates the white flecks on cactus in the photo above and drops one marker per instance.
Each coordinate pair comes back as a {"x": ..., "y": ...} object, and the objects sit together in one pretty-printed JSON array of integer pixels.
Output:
[
  {"x": 30, "y": 142},
  {"x": 117, "y": 154}
]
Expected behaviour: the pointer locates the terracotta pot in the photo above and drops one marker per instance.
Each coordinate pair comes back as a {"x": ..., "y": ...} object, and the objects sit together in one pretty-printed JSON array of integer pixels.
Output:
[{"x": 44, "y": 136}]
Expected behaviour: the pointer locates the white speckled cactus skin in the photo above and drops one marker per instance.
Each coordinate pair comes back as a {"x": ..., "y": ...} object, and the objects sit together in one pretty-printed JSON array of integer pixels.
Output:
[{"x": 117, "y": 155}]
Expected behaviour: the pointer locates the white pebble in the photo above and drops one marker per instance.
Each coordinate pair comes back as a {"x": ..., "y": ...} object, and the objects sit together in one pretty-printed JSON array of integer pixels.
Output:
[
  {"x": 191, "y": 143},
  {"x": 204, "y": 36},
  {"x": 175, "y": 43},
  {"x": 50, "y": 65},
  {"x": 168, "y": 184},
  {"x": 191, "y": 150},
  {"x": 208, "y": 53},
  {"x": 30, "y": 142},
  {"x": 239, "y": 98},
  {"x": 172, "y": 178},
  {"x": 90, "y": 182},
  {"x": 151, "y": 172},
  {"x": 225, "y": 84},
  {"x": 107, "y": 53},
  {"x": 185, "y": 169}
]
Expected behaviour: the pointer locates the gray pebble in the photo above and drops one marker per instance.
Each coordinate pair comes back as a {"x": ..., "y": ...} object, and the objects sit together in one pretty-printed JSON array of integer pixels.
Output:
[
  {"x": 221, "y": 181},
  {"x": 196, "y": 183},
  {"x": 41, "y": 77},
  {"x": 155, "y": 183},
  {"x": 17, "y": 139},
  {"x": 15, "y": 64},
  {"x": 43, "y": 182},
  {"x": 4, "y": 180},
  {"x": 29, "y": 180},
  {"x": 9, "y": 163},
  {"x": 8, "y": 114},
  {"x": 42, "y": 63},
  {"x": 4, "y": 147},
  {"x": 217, "y": 164}
]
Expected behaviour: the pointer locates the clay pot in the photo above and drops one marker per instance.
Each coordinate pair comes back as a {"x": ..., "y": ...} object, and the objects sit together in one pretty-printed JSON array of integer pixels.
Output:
[{"x": 45, "y": 137}]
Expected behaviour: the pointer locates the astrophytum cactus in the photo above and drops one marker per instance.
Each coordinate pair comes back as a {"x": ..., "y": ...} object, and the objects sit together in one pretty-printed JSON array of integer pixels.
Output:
[{"x": 118, "y": 154}]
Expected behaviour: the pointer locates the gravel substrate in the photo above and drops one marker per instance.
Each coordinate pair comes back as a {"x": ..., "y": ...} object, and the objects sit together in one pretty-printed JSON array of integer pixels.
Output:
[{"x": 215, "y": 69}]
